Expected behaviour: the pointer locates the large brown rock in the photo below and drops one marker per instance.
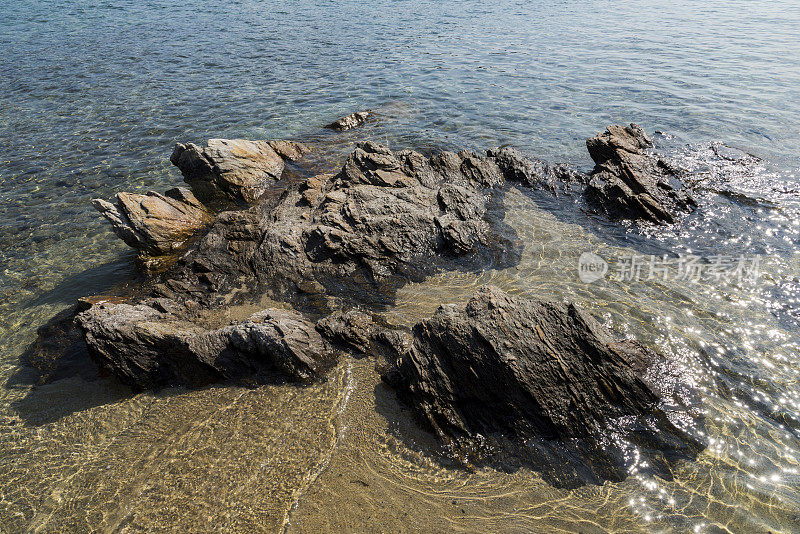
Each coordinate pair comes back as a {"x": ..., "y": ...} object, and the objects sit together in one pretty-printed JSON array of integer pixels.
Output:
[
  {"x": 237, "y": 168},
  {"x": 630, "y": 183},
  {"x": 153, "y": 223},
  {"x": 531, "y": 382},
  {"x": 159, "y": 342}
]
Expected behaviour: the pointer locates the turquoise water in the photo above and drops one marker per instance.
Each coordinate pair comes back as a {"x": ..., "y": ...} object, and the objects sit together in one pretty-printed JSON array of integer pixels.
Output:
[{"x": 95, "y": 94}]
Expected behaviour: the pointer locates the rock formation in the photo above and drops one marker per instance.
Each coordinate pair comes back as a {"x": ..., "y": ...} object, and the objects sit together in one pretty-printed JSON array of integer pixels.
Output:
[
  {"x": 508, "y": 374},
  {"x": 159, "y": 342},
  {"x": 350, "y": 121},
  {"x": 629, "y": 183},
  {"x": 236, "y": 168},
  {"x": 503, "y": 379},
  {"x": 535, "y": 173},
  {"x": 385, "y": 218},
  {"x": 501, "y": 374},
  {"x": 153, "y": 223}
]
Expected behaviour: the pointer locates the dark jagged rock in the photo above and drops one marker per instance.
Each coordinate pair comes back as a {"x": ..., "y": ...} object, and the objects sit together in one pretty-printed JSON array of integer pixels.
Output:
[
  {"x": 350, "y": 121},
  {"x": 351, "y": 329},
  {"x": 153, "y": 223},
  {"x": 509, "y": 377},
  {"x": 236, "y": 168},
  {"x": 535, "y": 173},
  {"x": 629, "y": 183},
  {"x": 159, "y": 342},
  {"x": 385, "y": 216}
]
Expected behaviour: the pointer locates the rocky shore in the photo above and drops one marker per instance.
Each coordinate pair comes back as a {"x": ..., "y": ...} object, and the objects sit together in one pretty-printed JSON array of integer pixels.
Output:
[{"x": 502, "y": 379}]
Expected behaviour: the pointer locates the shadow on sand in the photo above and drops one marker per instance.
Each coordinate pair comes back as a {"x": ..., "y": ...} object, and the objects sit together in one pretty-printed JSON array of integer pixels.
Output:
[{"x": 56, "y": 368}]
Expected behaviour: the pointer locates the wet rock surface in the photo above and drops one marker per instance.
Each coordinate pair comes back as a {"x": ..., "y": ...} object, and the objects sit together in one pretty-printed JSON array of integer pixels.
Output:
[
  {"x": 629, "y": 183},
  {"x": 153, "y": 223},
  {"x": 352, "y": 329},
  {"x": 525, "y": 382},
  {"x": 289, "y": 150},
  {"x": 159, "y": 342},
  {"x": 239, "y": 169},
  {"x": 349, "y": 122}
]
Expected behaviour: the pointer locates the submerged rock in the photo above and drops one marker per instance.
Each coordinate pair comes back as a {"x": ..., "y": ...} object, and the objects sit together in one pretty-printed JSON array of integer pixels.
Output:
[
  {"x": 237, "y": 168},
  {"x": 629, "y": 183},
  {"x": 158, "y": 342},
  {"x": 153, "y": 223},
  {"x": 534, "y": 383},
  {"x": 350, "y": 121}
]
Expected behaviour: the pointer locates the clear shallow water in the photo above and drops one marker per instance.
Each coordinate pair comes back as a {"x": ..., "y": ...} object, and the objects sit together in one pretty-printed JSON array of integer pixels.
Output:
[{"x": 95, "y": 95}]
